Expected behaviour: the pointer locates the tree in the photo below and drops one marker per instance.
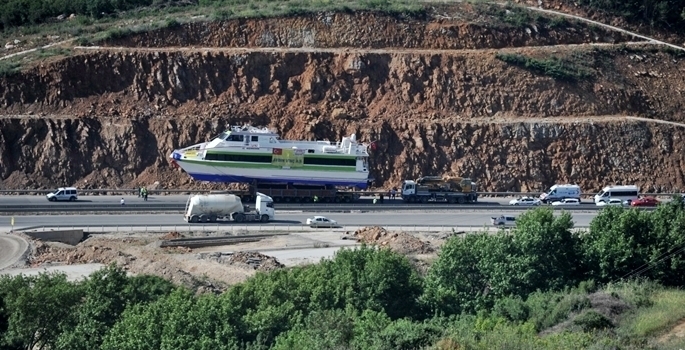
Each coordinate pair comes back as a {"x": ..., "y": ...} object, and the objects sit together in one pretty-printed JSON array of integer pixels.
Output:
[
  {"x": 546, "y": 255},
  {"x": 617, "y": 243},
  {"x": 177, "y": 321},
  {"x": 108, "y": 292},
  {"x": 36, "y": 308},
  {"x": 458, "y": 281}
]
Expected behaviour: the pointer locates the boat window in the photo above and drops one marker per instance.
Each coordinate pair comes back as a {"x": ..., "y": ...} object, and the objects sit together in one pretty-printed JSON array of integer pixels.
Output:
[
  {"x": 227, "y": 157},
  {"x": 255, "y": 139},
  {"x": 330, "y": 161},
  {"x": 238, "y": 138},
  {"x": 310, "y": 151}
]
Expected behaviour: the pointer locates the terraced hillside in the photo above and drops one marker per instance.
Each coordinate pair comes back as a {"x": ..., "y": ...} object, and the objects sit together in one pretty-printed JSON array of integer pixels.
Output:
[{"x": 516, "y": 101}]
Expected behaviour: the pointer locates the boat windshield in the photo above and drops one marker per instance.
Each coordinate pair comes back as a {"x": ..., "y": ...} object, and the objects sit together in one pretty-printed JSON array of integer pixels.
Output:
[{"x": 223, "y": 135}]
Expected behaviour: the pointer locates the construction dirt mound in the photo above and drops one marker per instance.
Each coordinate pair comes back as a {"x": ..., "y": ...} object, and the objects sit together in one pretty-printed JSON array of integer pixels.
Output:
[
  {"x": 253, "y": 260},
  {"x": 172, "y": 235},
  {"x": 400, "y": 242},
  {"x": 138, "y": 256}
]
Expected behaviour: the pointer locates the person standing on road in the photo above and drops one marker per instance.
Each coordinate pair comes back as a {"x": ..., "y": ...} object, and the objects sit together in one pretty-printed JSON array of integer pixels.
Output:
[{"x": 122, "y": 201}]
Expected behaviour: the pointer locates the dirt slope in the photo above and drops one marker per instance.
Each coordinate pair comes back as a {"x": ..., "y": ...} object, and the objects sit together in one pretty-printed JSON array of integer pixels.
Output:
[{"x": 430, "y": 90}]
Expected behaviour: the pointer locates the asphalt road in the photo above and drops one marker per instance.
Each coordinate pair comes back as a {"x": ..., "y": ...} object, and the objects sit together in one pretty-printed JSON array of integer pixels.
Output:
[
  {"x": 456, "y": 219},
  {"x": 172, "y": 199},
  {"x": 11, "y": 249},
  {"x": 180, "y": 201}
]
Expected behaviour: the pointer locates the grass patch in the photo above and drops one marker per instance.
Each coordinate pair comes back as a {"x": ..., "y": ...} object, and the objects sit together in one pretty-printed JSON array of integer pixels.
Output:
[
  {"x": 8, "y": 68},
  {"x": 668, "y": 307},
  {"x": 557, "y": 68}
]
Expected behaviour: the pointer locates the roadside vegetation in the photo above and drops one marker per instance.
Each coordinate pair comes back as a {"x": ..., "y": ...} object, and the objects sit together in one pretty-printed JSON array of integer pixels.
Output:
[
  {"x": 564, "y": 69},
  {"x": 658, "y": 14},
  {"x": 540, "y": 285}
]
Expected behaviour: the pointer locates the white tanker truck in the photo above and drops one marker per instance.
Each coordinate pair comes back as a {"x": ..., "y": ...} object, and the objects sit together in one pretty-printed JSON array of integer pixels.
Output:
[{"x": 225, "y": 207}]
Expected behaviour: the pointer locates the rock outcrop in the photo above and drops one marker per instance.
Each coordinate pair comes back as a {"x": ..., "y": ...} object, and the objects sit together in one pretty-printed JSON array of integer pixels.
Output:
[{"x": 110, "y": 117}]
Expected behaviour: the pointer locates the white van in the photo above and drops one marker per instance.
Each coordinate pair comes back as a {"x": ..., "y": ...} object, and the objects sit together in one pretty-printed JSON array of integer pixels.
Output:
[
  {"x": 63, "y": 194},
  {"x": 559, "y": 192},
  {"x": 624, "y": 193}
]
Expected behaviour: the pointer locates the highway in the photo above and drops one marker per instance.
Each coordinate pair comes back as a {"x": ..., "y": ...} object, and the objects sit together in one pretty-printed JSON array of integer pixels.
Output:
[
  {"x": 456, "y": 219},
  {"x": 181, "y": 200},
  {"x": 32, "y": 205}
]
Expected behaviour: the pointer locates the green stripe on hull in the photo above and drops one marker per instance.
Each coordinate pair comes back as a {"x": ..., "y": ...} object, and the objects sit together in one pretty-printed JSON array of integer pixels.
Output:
[
  {"x": 247, "y": 165},
  {"x": 306, "y": 155}
]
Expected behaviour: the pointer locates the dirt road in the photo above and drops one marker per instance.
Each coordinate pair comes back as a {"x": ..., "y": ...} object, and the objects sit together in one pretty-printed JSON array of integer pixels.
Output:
[{"x": 11, "y": 249}]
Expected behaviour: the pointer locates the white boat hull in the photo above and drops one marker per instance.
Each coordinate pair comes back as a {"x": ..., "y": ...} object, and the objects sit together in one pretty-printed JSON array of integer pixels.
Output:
[{"x": 247, "y": 173}]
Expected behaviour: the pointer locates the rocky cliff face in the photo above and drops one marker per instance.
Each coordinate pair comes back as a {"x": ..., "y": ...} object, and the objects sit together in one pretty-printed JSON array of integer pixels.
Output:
[
  {"x": 509, "y": 156},
  {"x": 110, "y": 117}
]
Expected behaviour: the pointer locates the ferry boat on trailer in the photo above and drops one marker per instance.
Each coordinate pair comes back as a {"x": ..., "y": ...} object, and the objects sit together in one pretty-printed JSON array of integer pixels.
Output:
[{"x": 249, "y": 154}]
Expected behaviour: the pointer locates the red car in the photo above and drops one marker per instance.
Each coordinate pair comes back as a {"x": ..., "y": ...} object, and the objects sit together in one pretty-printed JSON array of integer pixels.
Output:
[{"x": 645, "y": 202}]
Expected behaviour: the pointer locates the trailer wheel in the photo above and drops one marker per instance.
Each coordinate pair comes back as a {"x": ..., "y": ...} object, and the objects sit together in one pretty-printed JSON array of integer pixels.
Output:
[
  {"x": 461, "y": 200},
  {"x": 193, "y": 218},
  {"x": 265, "y": 218},
  {"x": 337, "y": 199},
  {"x": 278, "y": 199},
  {"x": 212, "y": 218},
  {"x": 347, "y": 199},
  {"x": 450, "y": 200},
  {"x": 306, "y": 199}
]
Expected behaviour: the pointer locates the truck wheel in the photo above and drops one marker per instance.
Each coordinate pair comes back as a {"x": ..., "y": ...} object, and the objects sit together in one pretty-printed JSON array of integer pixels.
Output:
[
  {"x": 265, "y": 218},
  {"x": 461, "y": 200},
  {"x": 204, "y": 218},
  {"x": 239, "y": 217},
  {"x": 72, "y": 199},
  {"x": 424, "y": 200},
  {"x": 193, "y": 218}
]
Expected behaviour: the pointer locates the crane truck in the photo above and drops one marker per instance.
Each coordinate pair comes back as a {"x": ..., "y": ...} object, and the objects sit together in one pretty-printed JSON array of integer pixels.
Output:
[
  {"x": 439, "y": 189},
  {"x": 226, "y": 207}
]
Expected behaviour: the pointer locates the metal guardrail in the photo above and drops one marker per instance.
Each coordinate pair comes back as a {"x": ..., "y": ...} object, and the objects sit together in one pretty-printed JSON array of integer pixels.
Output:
[
  {"x": 304, "y": 209},
  {"x": 242, "y": 230},
  {"x": 119, "y": 191},
  {"x": 179, "y": 208}
]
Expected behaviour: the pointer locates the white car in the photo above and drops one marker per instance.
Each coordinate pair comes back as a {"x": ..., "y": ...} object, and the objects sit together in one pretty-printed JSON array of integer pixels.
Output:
[
  {"x": 612, "y": 202},
  {"x": 503, "y": 221},
  {"x": 525, "y": 201},
  {"x": 321, "y": 221},
  {"x": 567, "y": 201}
]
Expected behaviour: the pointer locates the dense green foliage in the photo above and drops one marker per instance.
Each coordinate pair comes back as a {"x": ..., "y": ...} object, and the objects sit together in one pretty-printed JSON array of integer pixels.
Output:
[
  {"x": 664, "y": 14},
  {"x": 484, "y": 291},
  {"x": 560, "y": 69},
  {"x": 20, "y": 12}
]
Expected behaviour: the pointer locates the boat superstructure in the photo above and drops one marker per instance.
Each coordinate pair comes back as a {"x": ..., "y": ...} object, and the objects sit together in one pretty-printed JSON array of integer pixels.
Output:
[{"x": 250, "y": 154}]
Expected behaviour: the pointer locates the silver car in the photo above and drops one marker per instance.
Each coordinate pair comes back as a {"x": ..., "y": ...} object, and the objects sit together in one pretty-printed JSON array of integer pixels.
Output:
[{"x": 321, "y": 221}]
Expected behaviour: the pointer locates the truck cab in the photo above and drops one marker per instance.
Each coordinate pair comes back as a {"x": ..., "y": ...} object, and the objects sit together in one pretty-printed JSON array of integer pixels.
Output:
[{"x": 265, "y": 206}]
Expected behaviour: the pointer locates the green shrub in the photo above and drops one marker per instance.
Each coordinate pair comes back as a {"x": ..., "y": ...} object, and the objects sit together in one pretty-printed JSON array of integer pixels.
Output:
[
  {"x": 554, "y": 67},
  {"x": 592, "y": 320},
  {"x": 9, "y": 68}
]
